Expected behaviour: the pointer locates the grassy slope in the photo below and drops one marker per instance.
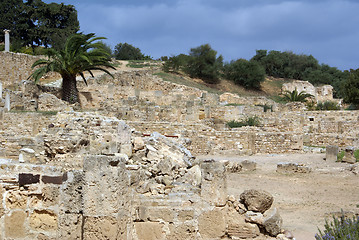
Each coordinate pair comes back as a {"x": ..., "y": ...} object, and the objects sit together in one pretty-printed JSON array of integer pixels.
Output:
[{"x": 271, "y": 87}]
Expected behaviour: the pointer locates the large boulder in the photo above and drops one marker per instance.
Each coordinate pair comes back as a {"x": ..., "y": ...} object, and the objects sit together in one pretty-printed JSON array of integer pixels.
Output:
[
  {"x": 273, "y": 222},
  {"x": 256, "y": 200}
]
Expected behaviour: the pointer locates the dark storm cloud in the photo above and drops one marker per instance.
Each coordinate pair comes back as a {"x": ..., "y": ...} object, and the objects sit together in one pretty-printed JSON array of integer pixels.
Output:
[{"x": 326, "y": 29}]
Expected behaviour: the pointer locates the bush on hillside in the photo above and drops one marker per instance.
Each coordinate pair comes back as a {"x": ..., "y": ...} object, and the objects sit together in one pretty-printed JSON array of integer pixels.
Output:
[
  {"x": 248, "y": 74},
  {"x": 249, "y": 121},
  {"x": 203, "y": 63},
  {"x": 176, "y": 63},
  {"x": 327, "y": 105},
  {"x": 125, "y": 51}
]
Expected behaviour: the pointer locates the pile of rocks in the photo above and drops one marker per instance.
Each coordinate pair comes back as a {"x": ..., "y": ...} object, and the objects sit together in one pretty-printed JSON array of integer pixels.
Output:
[
  {"x": 256, "y": 215},
  {"x": 160, "y": 165}
]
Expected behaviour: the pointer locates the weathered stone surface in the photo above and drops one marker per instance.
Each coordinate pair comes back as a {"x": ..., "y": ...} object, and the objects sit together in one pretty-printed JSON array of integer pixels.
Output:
[
  {"x": 70, "y": 226},
  {"x": 212, "y": 224},
  {"x": 138, "y": 143},
  {"x": 349, "y": 155},
  {"x": 194, "y": 176},
  {"x": 182, "y": 231},
  {"x": 238, "y": 228},
  {"x": 257, "y": 200},
  {"x": 149, "y": 231},
  {"x": 214, "y": 182},
  {"x": 72, "y": 192},
  {"x": 254, "y": 217},
  {"x": 15, "y": 224},
  {"x": 273, "y": 222},
  {"x": 49, "y": 102},
  {"x": 292, "y": 168},
  {"x": 248, "y": 165},
  {"x": 331, "y": 153},
  {"x": 101, "y": 228},
  {"x": 15, "y": 200},
  {"x": 43, "y": 220}
]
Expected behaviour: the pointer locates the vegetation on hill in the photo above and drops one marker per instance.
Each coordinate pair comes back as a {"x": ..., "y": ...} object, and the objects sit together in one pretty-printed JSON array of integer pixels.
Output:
[
  {"x": 125, "y": 51},
  {"x": 35, "y": 23}
]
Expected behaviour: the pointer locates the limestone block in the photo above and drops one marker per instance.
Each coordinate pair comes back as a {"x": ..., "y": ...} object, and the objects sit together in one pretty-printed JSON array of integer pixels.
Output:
[
  {"x": 254, "y": 217},
  {"x": 49, "y": 102},
  {"x": 238, "y": 228},
  {"x": 101, "y": 228},
  {"x": 273, "y": 222},
  {"x": 15, "y": 200},
  {"x": 70, "y": 226},
  {"x": 285, "y": 167},
  {"x": 185, "y": 215},
  {"x": 126, "y": 149},
  {"x": 194, "y": 176},
  {"x": 149, "y": 231},
  {"x": 157, "y": 214},
  {"x": 349, "y": 155},
  {"x": 257, "y": 200},
  {"x": 15, "y": 224},
  {"x": 248, "y": 165},
  {"x": 182, "y": 231},
  {"x": 138, "y": 143},
  {"x": 51, "y": 195},
  {"x": 43, "y": 220},
  {"x": 71, "y": 196},
  {"x": 106, "y": 185},
  {"x": 214, "y": 182},
  {"x": 332, "y": 153},
  {"x": 212, "y": 224}
]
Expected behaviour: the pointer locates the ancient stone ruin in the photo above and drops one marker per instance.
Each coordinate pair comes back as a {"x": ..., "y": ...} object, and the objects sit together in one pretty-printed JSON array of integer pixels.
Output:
[{"x": 124, "y": 166}]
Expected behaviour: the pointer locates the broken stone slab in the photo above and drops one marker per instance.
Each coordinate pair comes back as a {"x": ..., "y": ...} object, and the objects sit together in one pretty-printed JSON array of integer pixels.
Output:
[
  {"x": 248, "y": 165},
  {"x": 238, "y": 228},
  {"x": 256, "y": 200},
  {"x": 273, "y": 222},
  {"x": 331, "y": 153},
  {"x": 254, "y": 217},
  {"x": 349, "y": 155},
  {"x": 285, "y": 167}
]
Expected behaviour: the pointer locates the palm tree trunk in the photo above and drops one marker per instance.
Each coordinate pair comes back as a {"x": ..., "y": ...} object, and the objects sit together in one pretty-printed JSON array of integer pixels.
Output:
[{"x": 69, "y": 89}]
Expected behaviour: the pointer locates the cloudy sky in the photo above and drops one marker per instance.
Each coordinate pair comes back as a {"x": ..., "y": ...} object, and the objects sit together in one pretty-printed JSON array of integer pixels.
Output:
[{"x": 326, "y": 29}]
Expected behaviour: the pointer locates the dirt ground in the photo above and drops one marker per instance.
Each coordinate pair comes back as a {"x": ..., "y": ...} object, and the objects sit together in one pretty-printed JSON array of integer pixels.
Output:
[{"x": 303, "y": 199}]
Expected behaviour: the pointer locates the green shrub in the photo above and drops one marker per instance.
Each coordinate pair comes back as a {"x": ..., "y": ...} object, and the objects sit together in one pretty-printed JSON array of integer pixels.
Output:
[
  {"x": 248, "y": 74},
  {"x": 249, "y": 121},
  {"x": 327, "y": 105},
  {"x": 341, "y": 228},
  {"x": 266, "y": 107},
  {"x": 203, "y": 63}
]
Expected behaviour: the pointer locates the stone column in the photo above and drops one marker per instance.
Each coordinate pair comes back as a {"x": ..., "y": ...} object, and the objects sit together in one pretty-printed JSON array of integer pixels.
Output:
[
  {"x": 7, "y": 40},
  {"x": 7, "y": 101}
]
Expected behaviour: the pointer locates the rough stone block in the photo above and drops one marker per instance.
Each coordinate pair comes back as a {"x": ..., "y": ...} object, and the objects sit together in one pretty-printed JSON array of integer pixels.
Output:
[
  {"x": 71, "y": 195},
  {"x": 273, "y": 222},
  {"x": 349, "y": 155},
  {"x": 292, "y": 168},
  {"x": 52, "y": 179},
  {"x": 102, "y": 228},
  {"x": 212, "y": 224},
  {"x": 15, "y": 224},
  {"x": 149, "y": 231},
  {"x": 248, "y": 165},
  {"x": 15, "y": 200},
  {"x": 332, "y": 153},
  {"x": 43, "y": 220},
  {"x": 70, "y": 226},
  {"x": 238, "y": 228},
  {"x": 182, "y": 231},
  {"x": 214, "y": 182},
  {"x": 257, "y": 200}
]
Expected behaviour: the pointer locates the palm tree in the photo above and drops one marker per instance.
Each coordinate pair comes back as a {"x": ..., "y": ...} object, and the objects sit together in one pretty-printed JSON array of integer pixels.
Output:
[
  {"x": 81, "y": 53},
  {"x": 294, "y": 96}
]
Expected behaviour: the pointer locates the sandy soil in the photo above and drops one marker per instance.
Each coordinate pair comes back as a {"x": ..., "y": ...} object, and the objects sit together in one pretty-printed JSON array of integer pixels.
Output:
[{"x": 303, "y": 199}]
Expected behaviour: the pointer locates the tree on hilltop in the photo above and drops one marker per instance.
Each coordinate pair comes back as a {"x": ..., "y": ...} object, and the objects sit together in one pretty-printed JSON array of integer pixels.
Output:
[
  {"x": 82, "y": 52},
  {"x": 125, "y": 51}
]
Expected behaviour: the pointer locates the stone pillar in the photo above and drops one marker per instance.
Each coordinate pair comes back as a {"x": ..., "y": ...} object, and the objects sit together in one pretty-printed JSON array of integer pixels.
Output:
[
  {"x": 214, "y": 182},
  {"x": 332, "y": 153},
  {"x": 7, "y": 101},
  {"x": 7, "y": 40}
]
